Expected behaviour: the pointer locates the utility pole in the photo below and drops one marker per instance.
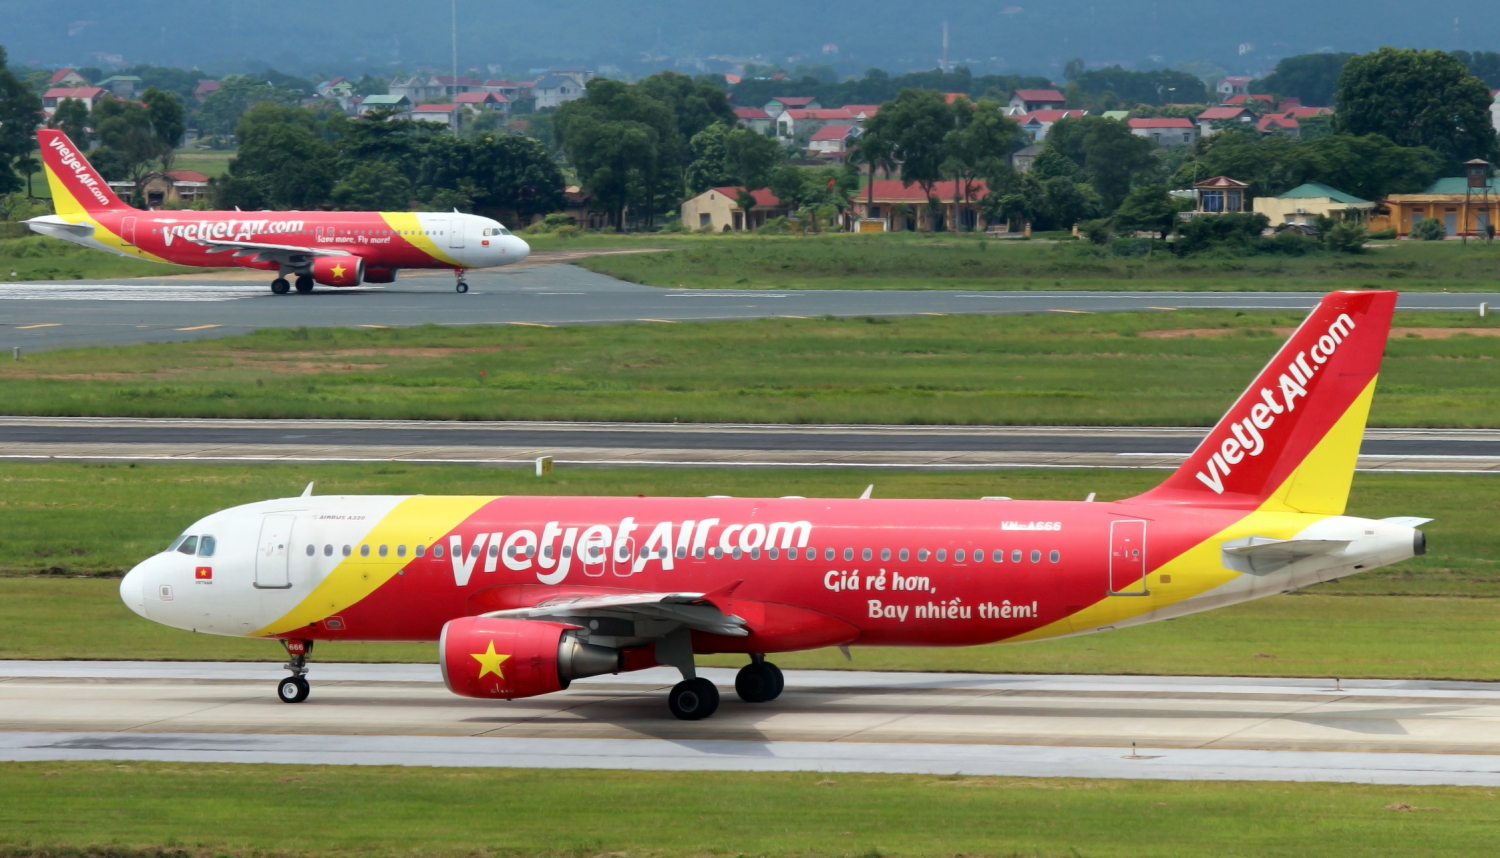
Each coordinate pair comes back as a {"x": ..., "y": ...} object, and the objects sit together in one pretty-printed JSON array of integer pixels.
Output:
[{"x": 455, "y": 68}]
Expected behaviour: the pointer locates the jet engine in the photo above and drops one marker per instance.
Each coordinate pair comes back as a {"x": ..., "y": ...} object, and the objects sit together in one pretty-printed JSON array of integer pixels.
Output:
[
  {"x": 338, "y": 270},
  {"x": 507, "y": 659},
  {"x": 380, "y": 275}
]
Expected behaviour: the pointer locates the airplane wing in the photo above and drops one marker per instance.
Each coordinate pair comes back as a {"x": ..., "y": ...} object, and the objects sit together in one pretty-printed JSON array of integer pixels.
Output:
[
  {"x": 1262, "y": 555},
  {"x": 688, "y": 609},
  {"x": 286, "y": 254}
]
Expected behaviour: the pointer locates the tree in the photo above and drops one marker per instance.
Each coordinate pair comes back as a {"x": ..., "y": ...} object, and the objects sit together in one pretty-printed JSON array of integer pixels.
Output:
[
  {"x": 19, "y": 108},
  {"x": 500, "y": 174},
  {"x": 1368, "y": 166},
  {"x": 165, "y": 113},
  {"x": 750, "y": 157},
  {"x": 694, "y": 105},
  {"x": 625, "y": 146},
  {"x": 221, "y": 109},
  {"x": 1311, "y": 78},
  {"x": 127, "y": 145},
  {"x": 1065, "y": 203},
  {"x": 372, "y": 187},
  {"x": 72, "y": 118},
  {"x": 981, "y": 141},
  {"x": 1484, "y": 65},
  {"x": 1148, "y": 209},
  {"x": 709, "y": 167},
  {"x": 282, "y": 162},
  {"x": 1018, "y": 203},
  {"x": 1156, "y": 87},
  {"x": 915, "y": 126},
  {"x": 1417, "y": 98},
  {"x": 1111, "y": 158}
]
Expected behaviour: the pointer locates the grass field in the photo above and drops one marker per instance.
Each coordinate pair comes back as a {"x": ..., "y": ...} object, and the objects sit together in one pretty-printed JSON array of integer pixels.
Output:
[
  {"x": 971, "y": 262},
  {"x": 69, "y": 520},
  {"x": 37, "y": 257},
  {"x": 1179, "y": 368},
  {"x": 172, "y": 810}
]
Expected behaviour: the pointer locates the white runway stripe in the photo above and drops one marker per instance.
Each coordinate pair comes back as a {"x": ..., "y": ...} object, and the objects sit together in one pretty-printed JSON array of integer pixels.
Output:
[{"x": 129, "y": 292}]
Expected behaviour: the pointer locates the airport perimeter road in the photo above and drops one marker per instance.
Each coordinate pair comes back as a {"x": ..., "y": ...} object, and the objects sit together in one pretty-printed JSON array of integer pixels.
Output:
[
  {"x": 683, "y": 444},
  {"x": 38, "y": 316},
  {"x": 1372, "y": 731}
]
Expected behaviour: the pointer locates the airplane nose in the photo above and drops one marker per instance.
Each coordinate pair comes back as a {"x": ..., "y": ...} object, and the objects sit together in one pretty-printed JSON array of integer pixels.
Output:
[
  {"x": 521, "y": 249},
  {"x": 133, "y": 589}
]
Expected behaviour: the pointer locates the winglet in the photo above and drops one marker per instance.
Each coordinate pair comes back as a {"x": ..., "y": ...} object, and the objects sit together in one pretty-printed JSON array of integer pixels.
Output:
[{"x": 307, "y": 492}]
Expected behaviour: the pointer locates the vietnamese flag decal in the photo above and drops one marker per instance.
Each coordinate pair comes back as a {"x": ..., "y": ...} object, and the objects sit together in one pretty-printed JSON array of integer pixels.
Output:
[{"x": 204, "y": 573}]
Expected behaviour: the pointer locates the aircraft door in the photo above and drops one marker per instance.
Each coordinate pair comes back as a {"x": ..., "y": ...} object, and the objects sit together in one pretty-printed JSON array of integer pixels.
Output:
[
  {"x": 273, "y": 553},
  {"x": 1127, "y": 558},
  {"x": 456, "y": 233},
  {"x": 127, "y": 231}
]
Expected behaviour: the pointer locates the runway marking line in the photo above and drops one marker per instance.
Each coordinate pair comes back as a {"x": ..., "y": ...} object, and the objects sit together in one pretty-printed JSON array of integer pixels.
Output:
[
  {"x": 531, "y": 324},
  {"x": 200, "y": 327},
  {"x": 377, "y": 327},
  {"x": 1055, "y": 310},
  {"x": 661, "y": 321},
  {"x": 42, "y": 325},
  {"x": 1162, "y": 308},
  {"x": 944, "y": 314}
]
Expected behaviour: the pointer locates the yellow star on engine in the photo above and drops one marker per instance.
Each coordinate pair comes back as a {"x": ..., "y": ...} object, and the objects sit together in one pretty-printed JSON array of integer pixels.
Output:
[
  {"x": 489, "y": 661},
  {"x": 338, "y": 271}
]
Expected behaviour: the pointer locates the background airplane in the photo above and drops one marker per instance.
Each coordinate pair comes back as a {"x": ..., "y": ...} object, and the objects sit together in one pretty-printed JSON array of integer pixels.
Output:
[
  {"x": 525, "y": 594},
  {"x": 331, "y": 248}
]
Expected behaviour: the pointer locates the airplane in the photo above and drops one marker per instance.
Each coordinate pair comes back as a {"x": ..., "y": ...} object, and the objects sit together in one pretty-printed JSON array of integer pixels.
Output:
[
  {"x": 523, "y": 595},
  {"x": 331, "y": 248}
]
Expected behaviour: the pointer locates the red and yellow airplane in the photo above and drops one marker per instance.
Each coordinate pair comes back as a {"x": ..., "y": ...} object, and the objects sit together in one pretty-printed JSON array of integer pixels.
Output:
[
  {"x": 525, "y": 594},
  {"x": 331, "y": 248}
]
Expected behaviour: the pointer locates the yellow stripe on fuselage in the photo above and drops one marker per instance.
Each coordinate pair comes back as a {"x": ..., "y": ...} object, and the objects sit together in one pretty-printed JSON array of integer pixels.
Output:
[
  {"x": 419, "y": 520},
  {"x": 67, "y": 207},
  {"x": 411, "y": 228}
]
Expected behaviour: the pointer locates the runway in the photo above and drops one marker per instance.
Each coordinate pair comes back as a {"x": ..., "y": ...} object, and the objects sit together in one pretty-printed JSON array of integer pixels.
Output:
[
  {"x": 723, "y": 445},
  {"x": 40, "y": 316},
  {"x": 1373, "y": 731}
]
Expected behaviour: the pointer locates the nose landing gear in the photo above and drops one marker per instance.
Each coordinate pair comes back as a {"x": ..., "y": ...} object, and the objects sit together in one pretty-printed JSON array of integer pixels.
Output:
[
  {"x": 461, "y": 285},
  {"x": 295, "y": 688}
]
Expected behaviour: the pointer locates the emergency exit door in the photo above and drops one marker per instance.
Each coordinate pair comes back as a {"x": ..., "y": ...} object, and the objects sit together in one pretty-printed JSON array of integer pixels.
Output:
[
  {"x": 456, "y": 233},
  {"x": 127, "y": 231},
  {"x": 1127, "y": 558},
  {"x": 272, "y": 557}
]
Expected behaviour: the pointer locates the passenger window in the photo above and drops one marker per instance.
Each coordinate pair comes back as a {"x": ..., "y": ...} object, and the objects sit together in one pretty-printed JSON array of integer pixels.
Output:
[
  {"x": 1054, "y": 556},
  {"x": 755, "y": 554},
  {"x": 188, "y": 546},
  {"x": 922, "y": 555},
  {"x": 418, "y": 550},
  {"x": 681, "y": 552},
  {"x": 885, "y": 554},
  {"x": 1036, "y": 556},
  {"x": 942, "y": 554},
  {"x": 716, "y": 553},
  {"x": 979, "y": 555},
  {"x": 828, "y": 554},
  {"x": 958, "y": 556},
  {"x": 346, "y": 551},
  {"x": 998, "y": 556},
  {"x": 698, "y": 553},
  {"x": 1015, "y": 556},
  {"x": 494, "y": 549},
  {"x": 383, "y": 550},
  {"x": 567, "y": 551},
  {"x": 771, "y": 553},
  {"x": 738, "y": 554},
  {"x": 205, "y": 546},
  {"x": 328, "y": 550},
  {"x": 904, "y": 555},
  {"x": 848, "y": 554},
  {"x": 311, "y": 550},
  {"x": 401, "y": 551},
  {"x": 364, "y": 551},
  {"x": 437, "y": 551}
]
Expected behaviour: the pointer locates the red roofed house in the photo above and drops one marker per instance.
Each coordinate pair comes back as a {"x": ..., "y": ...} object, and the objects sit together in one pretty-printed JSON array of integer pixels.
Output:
[
  {"x": 177, "y": 186},
  {"x": 906, "y": 207},
  {"x": 1166, "y": 131},
  {"x": 719, "y": 209},
  {"x": 1231, "y": 86},
  {"x": 775, "y": 106},
  {"x": 1244, "y": 99},
  {"x": 1283, "y": 123},
  {"x": 861, "y": 112},
  {"x": 794, "y": 123},
  {"x": 831, "y": 141},
  {"x": 1032, "y": 100},
  {"x": 1219, "y": 195},
  {"x": 205, "y": 88},
  {"x": 447, "y": 114},
  {"x": 474, "y": 102},
  {"x": 89, "y": 95},
  {"x": 1037, "y": 123},
  {"x": 754, "y": 118},
  {"x": 1218, "y": 118},
  {"x": 67, "y": 77},
  {"x": 1297, "y": 111}
]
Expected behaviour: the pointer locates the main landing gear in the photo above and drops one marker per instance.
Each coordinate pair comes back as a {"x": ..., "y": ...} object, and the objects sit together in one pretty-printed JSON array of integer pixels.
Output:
[
  {"x": 280, "y": 286},
  {"x": 304, "y": 284},
  {"x": 294, "y": 689},
  {"x": 462, "y": 286},
  {"x": 759, "y": 681}
]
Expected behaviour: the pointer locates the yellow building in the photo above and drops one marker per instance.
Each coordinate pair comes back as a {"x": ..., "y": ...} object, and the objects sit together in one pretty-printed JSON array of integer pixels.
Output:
[
  {"x": 1465, "y": 205},
  {"x": 718, "y": 208},
  {"x": 1304, "y": 203}
]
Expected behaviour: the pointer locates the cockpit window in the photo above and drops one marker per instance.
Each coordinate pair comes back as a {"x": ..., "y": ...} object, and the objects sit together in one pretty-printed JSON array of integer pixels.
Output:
[
  {"x": 188, "y": 545},
  {"x": 176, "y": 542},
  {"x": 504, "y": 231},
  {"x": 205, "y": 546}
]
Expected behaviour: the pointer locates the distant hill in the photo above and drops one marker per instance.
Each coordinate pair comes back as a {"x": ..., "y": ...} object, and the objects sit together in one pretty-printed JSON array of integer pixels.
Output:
[{"x": 1011, "y": 36}]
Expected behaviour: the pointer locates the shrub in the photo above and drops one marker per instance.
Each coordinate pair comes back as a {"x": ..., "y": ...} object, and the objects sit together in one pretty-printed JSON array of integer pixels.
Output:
[
  {"x": 566, "y": 231},
  {"x": 1098, "y": 231},
  {"x": 1383, "y": 235},
  {"x": 1131, "y": 246},
  {"x": 1290, "y": 243},
  {"x": 1232, "y": 232},
  {"x": 776, "y": 226},
  {"x": 1429, "y": 229},
  {"x": 1346, "y": 238}
]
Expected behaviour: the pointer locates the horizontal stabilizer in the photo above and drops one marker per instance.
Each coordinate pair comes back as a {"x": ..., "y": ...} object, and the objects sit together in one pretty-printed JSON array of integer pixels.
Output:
[
  {"x": 1407, "y": 520},
  {"x": 1262, "y": 555}
]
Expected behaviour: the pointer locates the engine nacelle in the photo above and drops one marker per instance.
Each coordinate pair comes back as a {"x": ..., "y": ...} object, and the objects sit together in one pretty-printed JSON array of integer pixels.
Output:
[
  {"x": 380, "y": 275},
  {"x": 338, "y": 270},
  {"x": 506, "y": 659}
]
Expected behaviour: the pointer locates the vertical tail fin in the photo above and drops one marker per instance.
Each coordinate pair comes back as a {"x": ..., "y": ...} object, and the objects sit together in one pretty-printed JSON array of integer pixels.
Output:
[
  {"x": 1291, "y": 441},
  {"x": 77, "y": 188}
]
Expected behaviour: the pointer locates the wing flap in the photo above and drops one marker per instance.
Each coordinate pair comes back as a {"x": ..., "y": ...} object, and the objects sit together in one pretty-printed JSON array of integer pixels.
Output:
[{"x": 689, "y": 609}]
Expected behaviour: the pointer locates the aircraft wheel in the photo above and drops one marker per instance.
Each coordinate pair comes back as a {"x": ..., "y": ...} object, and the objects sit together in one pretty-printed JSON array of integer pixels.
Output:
[
  {"x": 693, "y": 699},
  {"x": 780, "y": 680},
  {"x": 462, "y": 287},
  {"x": 280, "y": 286},
  {"x": 758, "y": 683},
  {"x": 293, "y": 689},
  {"x": 304, "y": 285}
]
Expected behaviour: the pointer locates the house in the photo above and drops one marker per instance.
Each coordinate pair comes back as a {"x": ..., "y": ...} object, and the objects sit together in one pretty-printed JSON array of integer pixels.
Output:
[
  {"x": 1297, "y": 111},
  {"x": 1219, "y": 195},
  {"x": 1231, "y": 86},
  {"x": 1022, "y": 159},
  {"x": 184, "y": 186},
  {"x": 474, "y": 102},
  {"x": 555, "y": 90},
  {"x": 123, "y": 85},
  {"x": 89, "y": 95},
  {"x": 1248, "y": 99},
  {"x": 416, "y": 88},
  {"x": 1037, "y": 123},
  {"x": 906, "y": 207},
  {"x": 581, "y": 210},
  {"x": 205, "y": 88},
  {"x": 339, "y": 87},
  {"x": 1305, "y": 203},
  {"x": 718, "y": 208},
  {"x": 754, "y": 118},
  {"x": 1466, "y": 204},
  {"x": 399, "y": 103},
  {"x": 801, "y": 123},
  {"x": 1165, "y": 131},
  {"x": 448, "y": 114},
  {"x": 775, "y": 106},
  {"x": 513, "y": 90},
  {"x": 861, "y": 112},
  {"x": 1032, "y": 100},
  {"x": 832, "y": 141},
  {"x": 1276, "y": 123},
  {"x": 1116, "y": 115},
  {"x": 1217, "y": 119},
  {"x": 66, "y": 77}
]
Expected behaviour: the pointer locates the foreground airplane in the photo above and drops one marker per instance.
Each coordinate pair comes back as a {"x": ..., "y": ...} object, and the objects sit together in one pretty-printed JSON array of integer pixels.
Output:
[
  {"x": 525, "y": 594},
  {"x": 331, "y": 248}
]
